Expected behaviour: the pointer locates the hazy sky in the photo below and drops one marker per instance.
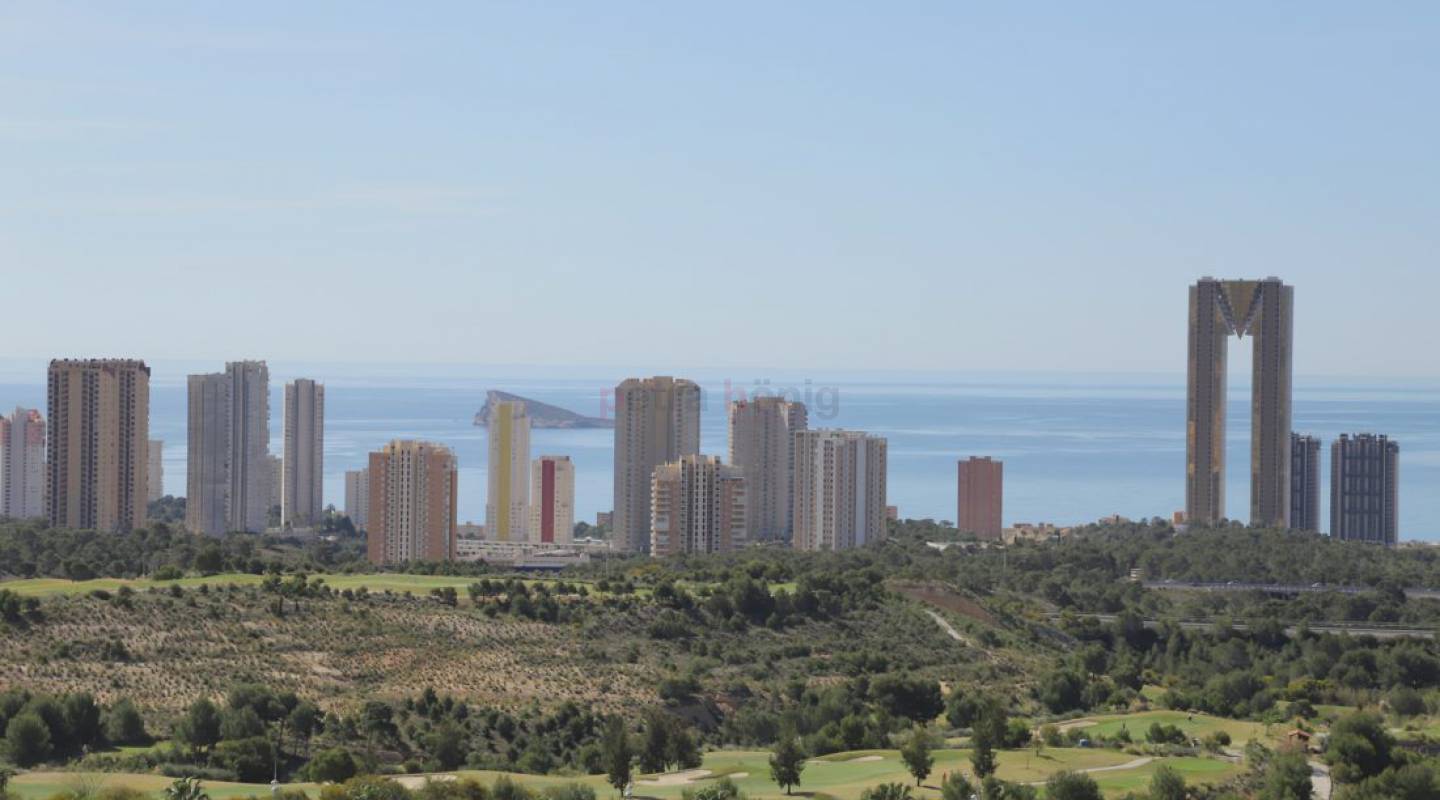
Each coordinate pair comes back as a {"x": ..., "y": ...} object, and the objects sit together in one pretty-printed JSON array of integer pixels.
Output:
[{"x": 911, "y": 185}]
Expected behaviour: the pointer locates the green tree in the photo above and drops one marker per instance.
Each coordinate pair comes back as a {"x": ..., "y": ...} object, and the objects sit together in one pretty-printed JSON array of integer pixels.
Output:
[
  {"x": 27, "y": 739},
  {"x": 956, "y": 787},
  {"x": 82, "y": 717},
  {"x": 210, "y": 560},
  {"x": 616, "y": 753},
  {"x": 655, "y": 747},
  {"x": 1287, "y": 778},
  {"x": 1360, "y": 747},
  {"x": 334, "y": 765},
  {"x": 253, "y": 759},
  {"x": 1072, "y": 786},
  {"x": 987, "y": 734},
  {"x": 683, "y": 752},
  {"x": 787, "y": 762},
  {"x": 240, "y": 723},
  {"x": 200, "y": 727},
  {"x": 916, "y": 754},
  {"x": 1167, "y": 784},
  {"x": 124, "y": 725},
  {"x": 446, "y": 744}
]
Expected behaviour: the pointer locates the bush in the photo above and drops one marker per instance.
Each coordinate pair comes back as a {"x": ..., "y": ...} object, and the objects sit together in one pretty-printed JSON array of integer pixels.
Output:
[
  {"x": 723, "y": 789},
  {"x": 574, "y": 791},
  {"x": 121, "y": 793},
  {"x": 335, "y": 765},
  {"x": 365, "y": 787},
  {"x": 169, "y": 572},
  {"x": 27, "y": 739}
]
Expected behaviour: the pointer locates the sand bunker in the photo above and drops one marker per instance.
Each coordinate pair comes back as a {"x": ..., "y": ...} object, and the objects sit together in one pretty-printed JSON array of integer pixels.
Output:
[{"x": 682, "y": 778}]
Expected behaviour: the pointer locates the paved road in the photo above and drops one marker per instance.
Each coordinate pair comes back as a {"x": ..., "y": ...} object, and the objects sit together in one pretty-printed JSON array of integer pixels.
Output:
[
  {"x": 1317, "y": 627},
  {"x": 1320, "y": 780},
  {"x": 1278, "y": 588}
]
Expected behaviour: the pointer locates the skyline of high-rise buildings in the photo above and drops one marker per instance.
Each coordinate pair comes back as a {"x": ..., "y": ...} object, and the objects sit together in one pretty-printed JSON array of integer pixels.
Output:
[
  {"x": 302, "y": 489},
  {"x": 1262, "y": 310},
  {"x": 228, "y": 471},
  {"x": 657, "y": 420},
  {"x": 507, "y": 501},
  {"x": 762, "y": 433},
  {"x": 97, "y": 447},
  {"x": 22, "y": 464},
  {"x": 840, "y": 489},
  {"x": 413, "y": 492},
  {"x": 698, "y": 506}
]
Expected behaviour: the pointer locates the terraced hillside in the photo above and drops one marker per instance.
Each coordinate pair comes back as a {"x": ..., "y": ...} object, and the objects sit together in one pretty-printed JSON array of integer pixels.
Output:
[{"x": 163, "y": 649}]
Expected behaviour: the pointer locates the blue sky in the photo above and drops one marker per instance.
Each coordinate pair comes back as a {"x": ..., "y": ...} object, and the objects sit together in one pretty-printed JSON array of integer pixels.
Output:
[{"x": 928, "y": 186}]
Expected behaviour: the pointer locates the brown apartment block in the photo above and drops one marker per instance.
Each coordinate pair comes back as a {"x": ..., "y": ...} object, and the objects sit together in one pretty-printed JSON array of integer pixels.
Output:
[
  {"x": 413, "y": 491},
  {"x": 698, "y": 505},
  {"x": 981, "y": 497},
  {"x": 99, "y": 443}
]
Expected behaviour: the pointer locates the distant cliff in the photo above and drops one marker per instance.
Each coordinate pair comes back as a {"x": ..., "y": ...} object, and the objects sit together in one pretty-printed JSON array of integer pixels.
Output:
[{"x": 542, "y": 415}]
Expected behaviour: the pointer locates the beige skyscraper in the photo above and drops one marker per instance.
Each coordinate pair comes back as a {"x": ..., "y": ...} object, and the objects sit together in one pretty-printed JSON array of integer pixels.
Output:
[
  {"x": 302, "y": 493},
  {"x": 1262, "y": 310},
  {"x": 155, "y": 469},
  {"x": 507, "y": 503},
  {"x": 552, "y": 500},
  {"x": 357, "y": 497},
  {"x": 96, "y": 473},
  {"x": 228, "y": 476},
  {"x": 657, "y": 420},
  {"x": 22, "y": 464},
  {"x": 697, "y": 506},
  {"x": 839, "y": 498},
  {"x": 413, "y": 491},
  {"x": 761, "y": 435}
]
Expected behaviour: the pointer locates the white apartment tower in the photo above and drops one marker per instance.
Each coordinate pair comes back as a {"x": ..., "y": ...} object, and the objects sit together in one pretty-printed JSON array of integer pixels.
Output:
[
  {"x": 22, "y": 464},
  {"x": 302, "y": 493},
  {"x": 761, "y": 435},
  {"x": 657, "y": 421},
  {"x": 552, "y": 500},
  {"x": 228, "y": 449},
  {"x": 507, "y": 504},
  {"x": 697, "y": 506},
  {"x": 839, "y": 497}
]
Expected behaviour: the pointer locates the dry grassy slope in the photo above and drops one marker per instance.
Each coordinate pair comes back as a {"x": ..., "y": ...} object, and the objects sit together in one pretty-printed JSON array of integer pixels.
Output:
[
  {"x": 334, "y": 652},
  {"x": 341, "y": 653}
]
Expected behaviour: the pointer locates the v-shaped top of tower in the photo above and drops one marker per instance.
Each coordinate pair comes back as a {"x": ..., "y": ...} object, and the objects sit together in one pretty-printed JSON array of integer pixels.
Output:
[{"x": 1239, "y": 304}]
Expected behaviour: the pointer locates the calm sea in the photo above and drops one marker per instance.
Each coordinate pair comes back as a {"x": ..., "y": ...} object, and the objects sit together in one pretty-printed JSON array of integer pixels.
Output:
[{"x": 1074, "y": 448}]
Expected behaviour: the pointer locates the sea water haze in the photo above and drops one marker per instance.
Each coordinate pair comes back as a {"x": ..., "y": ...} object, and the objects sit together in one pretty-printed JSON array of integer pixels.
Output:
[{"x": 1075, "y": 447}]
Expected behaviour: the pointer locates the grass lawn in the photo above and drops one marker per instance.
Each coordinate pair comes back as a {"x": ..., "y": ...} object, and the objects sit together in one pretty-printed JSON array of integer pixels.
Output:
[
  {"x": 842, "y": 776},
  {"x": 1194, "y": 725},
  {"x": 1196, "y": 771}
]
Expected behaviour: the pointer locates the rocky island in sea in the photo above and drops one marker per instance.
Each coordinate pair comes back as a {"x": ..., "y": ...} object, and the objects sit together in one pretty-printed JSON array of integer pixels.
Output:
[{"x": 542, "y": 415}]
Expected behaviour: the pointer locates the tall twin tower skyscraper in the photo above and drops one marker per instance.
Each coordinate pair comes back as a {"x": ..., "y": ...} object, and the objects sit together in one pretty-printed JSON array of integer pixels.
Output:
[{"x": 1262, "y": 310}]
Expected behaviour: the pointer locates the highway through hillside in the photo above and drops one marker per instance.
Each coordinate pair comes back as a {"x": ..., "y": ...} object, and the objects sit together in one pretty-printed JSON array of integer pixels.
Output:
[
  {"x": 1278, "y": 588},
  {"x": 1377, "y": 630}
]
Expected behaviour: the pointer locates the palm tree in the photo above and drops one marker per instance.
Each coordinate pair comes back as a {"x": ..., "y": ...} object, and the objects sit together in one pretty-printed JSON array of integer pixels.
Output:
[{"x": 186, "y": 789}]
